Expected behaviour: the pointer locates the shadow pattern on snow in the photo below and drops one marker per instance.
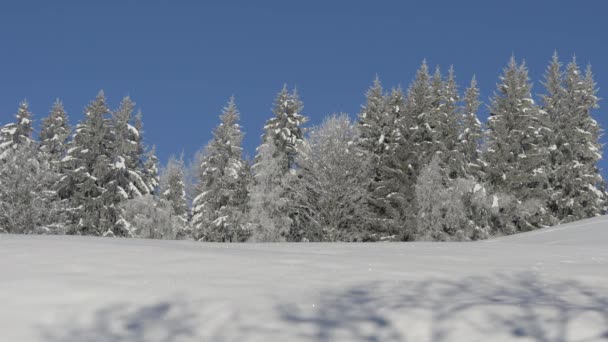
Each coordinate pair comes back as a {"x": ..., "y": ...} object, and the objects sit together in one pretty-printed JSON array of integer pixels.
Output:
[
  {"x": 162, "y": 322},
  {"x": 501, "y": 307},
  {"x": 511, "y": 307}
]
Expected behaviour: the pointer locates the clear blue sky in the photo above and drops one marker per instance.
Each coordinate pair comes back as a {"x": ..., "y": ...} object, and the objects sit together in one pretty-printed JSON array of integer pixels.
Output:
[{"x": 182, "y": 60}]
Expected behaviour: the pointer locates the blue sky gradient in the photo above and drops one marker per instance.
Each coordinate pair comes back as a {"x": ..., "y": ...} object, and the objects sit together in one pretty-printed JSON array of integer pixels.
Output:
[{"x": 182, "y": 60}]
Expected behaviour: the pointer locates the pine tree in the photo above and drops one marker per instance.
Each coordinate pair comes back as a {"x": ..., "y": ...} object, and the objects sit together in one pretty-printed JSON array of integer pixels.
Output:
[
  {"x": 284, "y": 131},
  {"x": 285, "y": 128},
  {"x": 218, "y": 208},
  {"x": 27, "y": 204},
  {"x": 577, "y": 183},
  {"x": 378, "y": 135},
  {"x": 145, "y": 160},
  {"x": 54, "y": 134},
  {"x": 268, "y": 200},
  {"x": 448, "y": 129},
  {"x": 173, "y": 189},
  {"x": 421, "y": 104},
  {"x": 88, "y": 181},
  {"x": 471, "y": 133},
  {"x": 127, "y": 152},
  {"x": 517, "y": 147},
  {"x": 395, "y": 188},
  {"x": 150, "y": 170},
  {"x": 17, "y": 134}
]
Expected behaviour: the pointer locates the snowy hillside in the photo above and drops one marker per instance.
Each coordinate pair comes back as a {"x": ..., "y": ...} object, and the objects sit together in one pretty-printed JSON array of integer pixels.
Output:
[{"x": 547, "y": 285}]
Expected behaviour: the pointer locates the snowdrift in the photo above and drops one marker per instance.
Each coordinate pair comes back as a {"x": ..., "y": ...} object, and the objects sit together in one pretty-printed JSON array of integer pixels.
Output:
[{"x": 546, "y": 285}]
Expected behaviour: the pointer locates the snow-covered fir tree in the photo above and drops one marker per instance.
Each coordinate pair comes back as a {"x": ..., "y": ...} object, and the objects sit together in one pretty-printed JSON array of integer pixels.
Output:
[
  {"x": 28, "y": 200},
  {"x": 18, "y": 133},
  {"x": 54, "y": 134},
  {"x": 420, "y": 103},
  {"x": 269, "y": 219},
  {"x": 150, "y": 170},
  {"x": 285, "y": 133},
  {"x": 575, "y": 178},
  {"x": 378, "y": 134},
  {"x": 471, "y": 133},
  {"x": 27, "y": 203},
  {"x": 145, "y": 160},
  {"x": 447, "y": 128},
  {"x": 335, "y": 175},
  {"x": 127, "y": 152},
  {"x": 218, "y": 208},
  {"x": 517, "y": 149},
  {"x": 89, "y": 181},
  {"x": 172, "y": 189}
]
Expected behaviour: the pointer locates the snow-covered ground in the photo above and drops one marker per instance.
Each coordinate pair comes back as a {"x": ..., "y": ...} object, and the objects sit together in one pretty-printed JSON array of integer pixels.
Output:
[{"x": 547, "y": 285}]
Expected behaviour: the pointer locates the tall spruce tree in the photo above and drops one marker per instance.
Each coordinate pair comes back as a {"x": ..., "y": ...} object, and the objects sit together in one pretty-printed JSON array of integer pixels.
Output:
[
  {"x": 28, "y": 204},
  {"x": 89, "y": 170},
  {"x": 448, "y": 128},
  {"x": 378, "y": 136},
  {"x": 517, "y": 139},
  {"x": 575, "y": 178},
  {"x": 173, "y": 189},
  {"x": 269, "y": 206},
  {"x": 278, "y": 162},
  {"x": 54, "y": 134},
  {"x": 217, "y": 210},
  {"x": 127, "y": 152},
  {"x": 18, "y": 133},
  {"x": 471, "y": 133},
  {"x": 150, "y": 170},
  {"x": 421, "y": 104}
]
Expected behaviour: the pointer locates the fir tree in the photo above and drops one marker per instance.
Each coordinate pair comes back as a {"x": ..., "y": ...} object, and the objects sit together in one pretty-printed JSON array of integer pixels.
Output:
[
  {"x": 577, "y": 183},
  {"x": 218, "y": 208},
  {"x": 88, "y": 181},
  {"x": 285, "y": 128},
  {"x": 173, "y": 189},
  {"x": 269, "y": 219},
  {"x": 127, "y": 152},
  {"x": 471, "y": 132},
  {"x": 284, "y": 131},
  {"x": 54, "y": 134},
  {"x": 377, "y": 137},
  {"x": 448, "y": 129},
  {"x": 421, "y": 104},
  {"x": 517, "y": 147},
  {"x": 27, "y": 204},
  {"x": 18, "y": 133},
  {"x": 150, "y": 170}
]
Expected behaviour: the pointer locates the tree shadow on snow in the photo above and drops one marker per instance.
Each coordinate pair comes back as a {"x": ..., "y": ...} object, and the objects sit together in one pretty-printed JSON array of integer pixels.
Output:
[
  {"x": 505, "y": 307},
  {"x": 162, "y": 322},
  {"x": 494, "y": 308}
]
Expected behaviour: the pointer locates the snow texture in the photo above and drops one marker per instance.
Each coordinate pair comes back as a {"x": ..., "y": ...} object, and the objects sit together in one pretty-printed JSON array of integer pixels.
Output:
[{"x": 546, "y": 285}]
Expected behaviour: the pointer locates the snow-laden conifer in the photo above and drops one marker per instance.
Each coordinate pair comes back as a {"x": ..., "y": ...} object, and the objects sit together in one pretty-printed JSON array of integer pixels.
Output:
[
  {"x": 19, "y": 133},
  {"x": 576, "y": 181},
  {"x": 88, "y": 182},
  {"x": 275, "y": 172},
  {"x": 471, "y": 133},
  {"x": 217, "y": 209},
  {"x": 172, "y": 189},
  {"x": 517, "y": 147},
  {"x": 54, "y": 134}
]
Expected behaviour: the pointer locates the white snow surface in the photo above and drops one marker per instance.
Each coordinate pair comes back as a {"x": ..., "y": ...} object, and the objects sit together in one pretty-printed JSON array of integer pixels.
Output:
[{"x": 546, "y": 285}]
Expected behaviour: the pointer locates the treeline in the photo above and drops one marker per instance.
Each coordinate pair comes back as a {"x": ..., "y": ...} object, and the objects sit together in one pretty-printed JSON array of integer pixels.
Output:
[{"x": 416, "y": 165}]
